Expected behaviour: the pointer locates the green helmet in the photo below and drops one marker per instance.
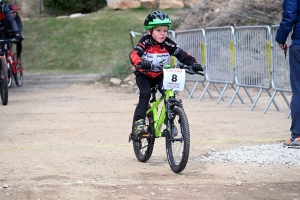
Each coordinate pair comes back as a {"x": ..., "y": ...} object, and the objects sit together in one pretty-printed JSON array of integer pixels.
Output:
[{"x": 157, "y": 18}]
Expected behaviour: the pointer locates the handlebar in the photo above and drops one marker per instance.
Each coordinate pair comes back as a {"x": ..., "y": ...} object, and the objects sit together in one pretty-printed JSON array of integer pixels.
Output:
[
  {"x": 9, "y": 40},
  {"x": 188, "y": 69}
]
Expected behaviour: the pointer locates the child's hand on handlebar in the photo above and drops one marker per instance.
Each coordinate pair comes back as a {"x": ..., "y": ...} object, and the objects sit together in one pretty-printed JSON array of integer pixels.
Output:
[
  {"x": 197, "y": 67},
  {"x": 19, "y": 37},
  {"x": 150, "y": 66}
]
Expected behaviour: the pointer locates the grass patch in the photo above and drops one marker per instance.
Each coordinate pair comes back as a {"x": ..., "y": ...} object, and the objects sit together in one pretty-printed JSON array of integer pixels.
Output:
[{"x": 96, "y": 43}]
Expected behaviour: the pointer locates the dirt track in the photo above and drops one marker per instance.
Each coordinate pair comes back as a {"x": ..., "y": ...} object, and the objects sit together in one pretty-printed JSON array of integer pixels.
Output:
[{"x": 70, "y": 141}]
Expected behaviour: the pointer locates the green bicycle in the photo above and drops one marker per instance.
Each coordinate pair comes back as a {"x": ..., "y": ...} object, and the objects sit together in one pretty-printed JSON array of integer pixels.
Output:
[{"x": 176, "y": 131}]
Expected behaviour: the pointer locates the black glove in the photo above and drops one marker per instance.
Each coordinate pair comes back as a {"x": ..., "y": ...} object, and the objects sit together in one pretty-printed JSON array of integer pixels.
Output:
[
  {"x": 149, "y": 65},
  {"x": 19, "y": 37},
  {"x": 197, "y": 67},
  {"x": 146, "y": 64}
]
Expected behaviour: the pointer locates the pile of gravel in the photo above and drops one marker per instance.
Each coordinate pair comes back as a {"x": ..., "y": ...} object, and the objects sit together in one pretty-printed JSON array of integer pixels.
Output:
[{"x": 259, "y": 154}]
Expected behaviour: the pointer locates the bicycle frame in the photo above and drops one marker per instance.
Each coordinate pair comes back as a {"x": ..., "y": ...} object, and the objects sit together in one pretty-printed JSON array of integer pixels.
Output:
[
  {"x": 10, "y": 59},
  {"x": 158, "y": 121}
]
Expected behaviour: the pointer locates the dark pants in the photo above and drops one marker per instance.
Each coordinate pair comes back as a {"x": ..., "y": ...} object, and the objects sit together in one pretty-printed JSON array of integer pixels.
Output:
[
  {"x": 294, "y": 59},
  {"x": 18, "y": 48},
  {"x": 145, "y": 83}
]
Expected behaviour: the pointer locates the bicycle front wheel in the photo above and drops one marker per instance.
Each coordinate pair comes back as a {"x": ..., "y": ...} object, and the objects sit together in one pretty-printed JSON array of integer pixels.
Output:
[
  {"x": 9, "y": 75},
  {"x": 3, "y": 82},
  {"x": 178, "y": 140}
]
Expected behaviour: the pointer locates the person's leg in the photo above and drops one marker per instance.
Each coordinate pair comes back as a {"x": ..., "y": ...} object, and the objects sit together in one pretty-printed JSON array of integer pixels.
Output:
[
  {"x": 294, "y": 59},
  {"x": 19, "y": 49},
  {"x": 144, "y": 84},
  {"x": 159, "y": 82}
]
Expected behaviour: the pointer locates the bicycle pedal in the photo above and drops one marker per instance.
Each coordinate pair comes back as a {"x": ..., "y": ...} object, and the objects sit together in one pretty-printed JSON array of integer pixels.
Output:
[
  {"x": 18, "y": 67},
  {"x": 144, "y": 135},
  {"x": 165, "y": 133}
]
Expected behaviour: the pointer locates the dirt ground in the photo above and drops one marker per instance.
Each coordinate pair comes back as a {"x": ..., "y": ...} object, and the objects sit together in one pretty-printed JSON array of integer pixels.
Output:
[{"x": 69, "y": 140}]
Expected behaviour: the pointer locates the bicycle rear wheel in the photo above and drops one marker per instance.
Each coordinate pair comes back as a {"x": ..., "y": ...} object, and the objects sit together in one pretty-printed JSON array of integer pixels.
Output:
[
  {"x": 19, "y": 75},
  {"x": 3, "y": 82},
  {"x": 143, "y": 147},
  {"x": 178, "y": 140}
]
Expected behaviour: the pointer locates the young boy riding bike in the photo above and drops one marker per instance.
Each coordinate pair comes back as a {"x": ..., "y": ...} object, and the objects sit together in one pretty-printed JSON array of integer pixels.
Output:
[{"x": 152, "y": 54}]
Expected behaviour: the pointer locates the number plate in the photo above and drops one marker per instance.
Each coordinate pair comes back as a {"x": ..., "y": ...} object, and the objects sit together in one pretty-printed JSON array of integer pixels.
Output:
[{"x": 174, "y": 79}]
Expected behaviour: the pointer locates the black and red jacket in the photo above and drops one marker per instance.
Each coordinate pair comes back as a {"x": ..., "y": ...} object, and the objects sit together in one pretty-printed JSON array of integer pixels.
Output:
[
  {"x": 7, "y": 17},
  {"x": 159, "y": 53}
]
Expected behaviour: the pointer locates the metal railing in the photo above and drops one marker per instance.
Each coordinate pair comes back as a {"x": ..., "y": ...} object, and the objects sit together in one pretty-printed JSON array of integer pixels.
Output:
[
  {"x": 280, "y": 73},
  {"x": 253, "y": 60},
  {"x": 193, "y": 41},
  {"x": 220, "y": 59}
]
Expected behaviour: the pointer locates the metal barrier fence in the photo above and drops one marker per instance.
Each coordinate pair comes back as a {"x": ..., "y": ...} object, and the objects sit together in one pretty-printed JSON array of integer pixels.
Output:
[
  {"x": 280, "y": 72},
  {"x": 253, "y": 60},
  {"x": 220, "y": 58},
  {"x": 193, "y": 41},
  {"x": 244, "y": 57}
]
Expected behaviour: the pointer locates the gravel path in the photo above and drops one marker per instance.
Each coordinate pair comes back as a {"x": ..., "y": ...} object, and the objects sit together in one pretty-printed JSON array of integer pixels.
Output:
[
  {"x": 64, "y": 139},
  {"x": 267, "y": 154}
]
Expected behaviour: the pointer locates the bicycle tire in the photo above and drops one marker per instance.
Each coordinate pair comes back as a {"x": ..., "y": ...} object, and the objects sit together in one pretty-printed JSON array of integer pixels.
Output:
[
  {"x": 19, "y": 78},
  {"x": 143, "y": 147},
  {"x": 9, "y": 75},
  {"x": 178, "y": 141},
  {"x": 3, "y": 82}
]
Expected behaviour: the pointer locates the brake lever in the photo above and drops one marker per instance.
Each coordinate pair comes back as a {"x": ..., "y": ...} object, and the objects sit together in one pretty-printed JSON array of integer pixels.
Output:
[
  {"x": 192, "y": 72},
  {"x": 200, "y": 73}
]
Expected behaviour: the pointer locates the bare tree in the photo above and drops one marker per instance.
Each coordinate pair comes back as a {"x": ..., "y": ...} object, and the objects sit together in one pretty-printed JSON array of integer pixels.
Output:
[{"x": 42, "y": 5}]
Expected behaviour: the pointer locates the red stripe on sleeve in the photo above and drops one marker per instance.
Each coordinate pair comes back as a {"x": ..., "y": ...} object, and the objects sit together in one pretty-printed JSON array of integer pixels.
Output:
[{"x": 135, "y": 58}]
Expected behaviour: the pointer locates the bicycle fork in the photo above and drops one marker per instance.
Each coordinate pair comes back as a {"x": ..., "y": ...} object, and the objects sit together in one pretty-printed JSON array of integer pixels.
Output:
[{"x": 171, "y": 129}]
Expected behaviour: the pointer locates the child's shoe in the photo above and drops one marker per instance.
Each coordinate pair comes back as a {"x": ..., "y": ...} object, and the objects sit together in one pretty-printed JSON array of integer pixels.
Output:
[{"x": 139, "y": 129}]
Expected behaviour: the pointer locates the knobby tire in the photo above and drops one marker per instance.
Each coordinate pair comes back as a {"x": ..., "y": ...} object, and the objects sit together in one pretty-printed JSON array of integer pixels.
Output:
[
  {"x": 9, "y": 75},
  {"x": 178, "y": 145},
  {"x": 19, "y": 78},
  {"x": 3, "y": 82}
]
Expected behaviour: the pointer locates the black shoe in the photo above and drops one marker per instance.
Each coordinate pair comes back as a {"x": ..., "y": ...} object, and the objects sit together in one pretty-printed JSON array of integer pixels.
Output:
[{"x": 139, "y": 129}]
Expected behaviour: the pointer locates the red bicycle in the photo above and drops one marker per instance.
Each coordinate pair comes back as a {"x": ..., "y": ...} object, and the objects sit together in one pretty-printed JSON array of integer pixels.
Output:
[{"x": 14, "y": 68}]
